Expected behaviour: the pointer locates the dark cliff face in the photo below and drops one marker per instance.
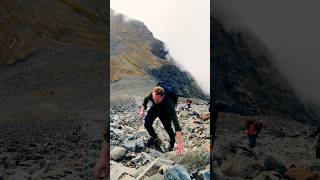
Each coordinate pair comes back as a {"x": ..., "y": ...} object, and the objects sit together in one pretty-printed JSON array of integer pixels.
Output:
[
  {"x": 244, "y": 76},
  {"x": 136, "y": 53}
]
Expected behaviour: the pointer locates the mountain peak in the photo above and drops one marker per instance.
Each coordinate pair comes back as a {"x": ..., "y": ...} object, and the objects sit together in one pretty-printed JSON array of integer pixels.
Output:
[{"x": 137, "y": 55}]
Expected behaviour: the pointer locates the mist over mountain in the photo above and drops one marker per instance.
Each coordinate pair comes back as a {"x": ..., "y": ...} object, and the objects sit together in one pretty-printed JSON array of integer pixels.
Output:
[
  {"x": 290, "y": 32},
  {"x": 245, "y": 75},
  {"x": 138, "y": 61}
]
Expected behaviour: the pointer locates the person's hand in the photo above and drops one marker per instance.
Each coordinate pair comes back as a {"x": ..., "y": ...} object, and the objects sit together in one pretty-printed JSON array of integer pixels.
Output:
[
  {"x": 141, "y": 114},
  {"x": 180, "y": 148},
  {"x": 101, "y": 168},
  {"x": 180, "y": 143}
]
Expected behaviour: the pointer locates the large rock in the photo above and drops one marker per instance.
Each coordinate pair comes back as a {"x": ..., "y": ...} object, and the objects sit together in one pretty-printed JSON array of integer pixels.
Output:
[
  {"x": 140, "y": 145},
  {"x": 271, "y": 175},
  {"x": 177, "y": 172},
  {"x": 272, "y": 164},
  {"x": 195, "y": 159},
  {"x": 240, "y": 166},
  {"x": 117, "y": 153},
  {"x": 117, "y": 170},
  {"x": 156, "y": 177},
  {"x": 301, "y": 174}
]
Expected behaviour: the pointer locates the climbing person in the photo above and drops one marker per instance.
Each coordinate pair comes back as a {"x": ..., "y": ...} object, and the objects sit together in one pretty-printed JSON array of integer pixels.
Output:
[
  {"x": 163, "y": 107},
  {"x": 254, "y": 128},
  {"x": 317, "y": 146},
  {"x": 189, "y": 102}
]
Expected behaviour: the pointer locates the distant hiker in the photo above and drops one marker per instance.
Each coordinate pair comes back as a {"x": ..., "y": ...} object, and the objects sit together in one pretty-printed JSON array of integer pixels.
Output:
[
  {"x": 163, "y": 107},
  {"x": 254, "y": 128},
  {"x": 317, "y": 146},
  {"x": 189, "y": 102}
]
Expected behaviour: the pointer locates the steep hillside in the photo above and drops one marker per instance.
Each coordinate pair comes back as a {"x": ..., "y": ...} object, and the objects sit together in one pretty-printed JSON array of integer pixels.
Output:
[
  {"x": 244, "y": 75},
  {"x": 30, "y": 26},
  {"x": 53, "y": 90},
  {"x": 138, "y": 56}
]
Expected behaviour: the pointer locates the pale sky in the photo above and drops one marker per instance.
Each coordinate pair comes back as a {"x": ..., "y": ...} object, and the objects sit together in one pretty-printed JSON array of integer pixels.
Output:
[
  {"x": 184, "y": 27},
  {"x": 290, "y": 29}
]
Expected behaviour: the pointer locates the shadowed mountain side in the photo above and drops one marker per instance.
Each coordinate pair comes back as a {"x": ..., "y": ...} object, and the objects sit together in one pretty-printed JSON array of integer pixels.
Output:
[{"x": 244, "y": 76}]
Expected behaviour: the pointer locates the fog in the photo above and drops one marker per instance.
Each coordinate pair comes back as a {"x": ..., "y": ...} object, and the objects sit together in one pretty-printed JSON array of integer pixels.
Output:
[
  {"x": 289, "y": 29},
  {"x": 184, "y": 27}
]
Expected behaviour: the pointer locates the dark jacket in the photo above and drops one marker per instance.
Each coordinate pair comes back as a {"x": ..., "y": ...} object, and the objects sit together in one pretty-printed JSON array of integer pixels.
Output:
[{"x": 166, "y": 105}]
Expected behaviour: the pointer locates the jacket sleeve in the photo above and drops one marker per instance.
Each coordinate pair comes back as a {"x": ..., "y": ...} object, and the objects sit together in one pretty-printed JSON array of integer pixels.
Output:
[
  {"x": 173, "y": 116},
  {"x": 146, "y": 100}
]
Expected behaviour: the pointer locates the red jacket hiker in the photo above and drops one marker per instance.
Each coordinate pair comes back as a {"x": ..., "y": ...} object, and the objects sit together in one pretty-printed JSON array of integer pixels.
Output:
[{"x": 252, "y": 131}]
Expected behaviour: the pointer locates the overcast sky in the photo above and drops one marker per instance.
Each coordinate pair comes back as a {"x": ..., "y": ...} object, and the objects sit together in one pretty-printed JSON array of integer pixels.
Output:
[
  {"x": 290, "y": 29},
  {"x": 183, "y": 25}
]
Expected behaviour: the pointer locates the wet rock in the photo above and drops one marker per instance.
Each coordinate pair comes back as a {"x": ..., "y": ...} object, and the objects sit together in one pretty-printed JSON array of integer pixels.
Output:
[
  {"x": 177, "y": 172},
  {"x": 117, "y": 153}
]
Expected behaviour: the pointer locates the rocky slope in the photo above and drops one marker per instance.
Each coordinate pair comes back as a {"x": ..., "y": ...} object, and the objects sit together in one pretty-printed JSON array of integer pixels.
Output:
[
  {"x": 136, "y": 56},
  {"x": 244, "y": 75},
  {"x": 52, "y": 54},
  {"x": 249, "y": 87},
  {"x": 285, "y": 149},
  {"x": 130, "y": 158}
]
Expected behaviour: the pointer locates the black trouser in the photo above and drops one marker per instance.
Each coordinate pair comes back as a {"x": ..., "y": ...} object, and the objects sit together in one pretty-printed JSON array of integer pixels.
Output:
[{"x": 154, "y": 112}]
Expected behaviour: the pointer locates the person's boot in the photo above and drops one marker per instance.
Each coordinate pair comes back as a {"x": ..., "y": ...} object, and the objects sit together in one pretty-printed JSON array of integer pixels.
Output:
[
  {"x": 171, "y": 145},
  {"x": 150, "y": 142},
  {"x": 157, "y": 144}
]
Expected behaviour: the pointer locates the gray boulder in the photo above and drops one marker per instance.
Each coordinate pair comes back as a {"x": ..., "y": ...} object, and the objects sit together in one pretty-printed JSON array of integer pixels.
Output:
[
  {"x": 177, "y": 172},
  {"x": 272, "y": 164},
  {"x": 117, "y": 153}
]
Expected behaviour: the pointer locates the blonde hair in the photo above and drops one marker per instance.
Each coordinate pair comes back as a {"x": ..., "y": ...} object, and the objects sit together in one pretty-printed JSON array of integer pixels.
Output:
[{"x": 158, "y": 90}]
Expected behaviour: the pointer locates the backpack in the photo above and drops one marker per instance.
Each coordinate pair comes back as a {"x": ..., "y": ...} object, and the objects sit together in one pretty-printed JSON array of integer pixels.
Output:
[
  {"x": 170, "y": 91},
  {"x": 248, "y": 124},
  {"x": 258, "y": 127}
]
